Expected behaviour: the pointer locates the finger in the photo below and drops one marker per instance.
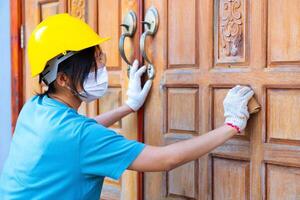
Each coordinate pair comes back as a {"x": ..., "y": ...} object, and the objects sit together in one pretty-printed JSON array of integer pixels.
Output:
[
  {"x": 135, "y": 63},
  {"x": 146, "y": 88},
  {"x": 134, "y": 68},
  {"x": 245, "y": 113},
  {"x": 244, "y": 90},
  {"x": 140, "y": 72},
  {"x": 249, "y": 95},
  {"x": 235, "y": 89}
]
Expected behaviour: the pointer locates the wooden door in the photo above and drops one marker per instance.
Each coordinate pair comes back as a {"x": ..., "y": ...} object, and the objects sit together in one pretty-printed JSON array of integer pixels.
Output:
[
  {"x": 104, "y": 17},
  {"x": 203, "y": 48}
]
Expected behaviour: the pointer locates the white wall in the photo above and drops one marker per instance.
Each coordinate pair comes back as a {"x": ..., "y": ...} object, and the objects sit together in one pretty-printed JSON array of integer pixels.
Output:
[{"x": 5, "y": 85}]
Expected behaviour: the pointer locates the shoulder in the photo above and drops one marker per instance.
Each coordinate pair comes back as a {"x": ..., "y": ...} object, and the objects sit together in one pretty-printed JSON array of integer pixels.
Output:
[
  {"x": 93, "y": 132},
  {"x": 91, "y": 125},
  {"x": 32, "y": 100},
  {"x": 29, "y": 105}
]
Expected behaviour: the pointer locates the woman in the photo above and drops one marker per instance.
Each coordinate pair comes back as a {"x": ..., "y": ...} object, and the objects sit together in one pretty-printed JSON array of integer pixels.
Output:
[{"x": 57, "y": 153}]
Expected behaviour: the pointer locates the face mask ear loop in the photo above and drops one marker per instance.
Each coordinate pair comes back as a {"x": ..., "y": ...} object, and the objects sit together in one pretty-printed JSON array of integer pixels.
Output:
[{"x": 75, "y": 93}]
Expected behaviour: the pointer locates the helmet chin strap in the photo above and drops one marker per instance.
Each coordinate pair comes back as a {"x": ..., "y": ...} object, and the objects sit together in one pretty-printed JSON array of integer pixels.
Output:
[{"x": 50, "y": 73}]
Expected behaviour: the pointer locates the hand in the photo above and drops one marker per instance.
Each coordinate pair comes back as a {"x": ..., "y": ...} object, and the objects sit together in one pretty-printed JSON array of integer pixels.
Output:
[
  {"x": 235, "y": 106},
  {"x": 137, "y": 95}
]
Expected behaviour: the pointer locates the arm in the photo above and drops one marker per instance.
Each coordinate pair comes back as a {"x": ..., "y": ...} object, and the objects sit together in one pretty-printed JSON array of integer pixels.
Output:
[
  {"x": 171, "y": 156},
  {"x": 168, "y": 157},
  {"x": 109, "y": 118}
]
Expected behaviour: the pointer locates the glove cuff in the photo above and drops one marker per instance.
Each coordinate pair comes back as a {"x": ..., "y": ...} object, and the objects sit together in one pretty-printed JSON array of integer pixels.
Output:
[
  {"x": 233, "y": 126},
  {"x": 132, "y": 104},
  {"x": 240, "y": 123}
]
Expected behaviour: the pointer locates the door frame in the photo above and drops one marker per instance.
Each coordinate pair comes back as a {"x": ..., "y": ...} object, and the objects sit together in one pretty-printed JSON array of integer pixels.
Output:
[
  {"x": 140, "y": 117},
  {"x": 16, "y": 21},
  {"x": 17, "y": 93}
]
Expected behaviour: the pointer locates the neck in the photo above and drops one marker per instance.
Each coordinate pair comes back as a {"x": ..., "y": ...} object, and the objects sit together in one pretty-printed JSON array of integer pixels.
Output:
[{"x": 67, "y": 99}]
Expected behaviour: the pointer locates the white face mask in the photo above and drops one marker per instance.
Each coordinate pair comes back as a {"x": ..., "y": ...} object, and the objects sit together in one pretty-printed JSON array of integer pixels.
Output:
[{"x": 94, "y": 87}]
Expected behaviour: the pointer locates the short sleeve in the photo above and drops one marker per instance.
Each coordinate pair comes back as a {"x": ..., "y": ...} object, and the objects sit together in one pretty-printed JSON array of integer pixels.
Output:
[{"x": 103, "y": 152}]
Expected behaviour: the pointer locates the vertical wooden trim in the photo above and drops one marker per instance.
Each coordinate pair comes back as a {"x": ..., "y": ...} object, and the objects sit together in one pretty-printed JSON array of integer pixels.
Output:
[
  {"x": 16, "y": 60},
  {"x": 140, "y": 17}
]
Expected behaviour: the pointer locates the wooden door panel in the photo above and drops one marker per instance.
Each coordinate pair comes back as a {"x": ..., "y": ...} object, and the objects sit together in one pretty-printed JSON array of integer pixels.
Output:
[
  {"x": 182, "y": 118},
  {"x": 200, "y": 51},
  {"x": 283, "y": 102},
  {"x": 231, "y": 32},
  {"x": 289, "y": 185},
  {"x": 181, "y": 33},
  {"x": 230, "y": 179},
  {"x": 283, "y": 33},
  {"x": 49, "y": 8},
  {"x": 182, "y": 181},
  {"x": 109, "y": 20}
]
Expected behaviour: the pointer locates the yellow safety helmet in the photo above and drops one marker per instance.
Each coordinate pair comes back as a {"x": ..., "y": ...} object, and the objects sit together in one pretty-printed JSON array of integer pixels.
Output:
[{"x": 56, "y": 35}]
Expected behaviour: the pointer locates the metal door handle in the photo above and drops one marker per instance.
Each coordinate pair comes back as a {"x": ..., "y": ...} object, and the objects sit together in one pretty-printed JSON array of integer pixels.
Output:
[
  {"x": 129, "y": 25},
  {"x": 150, "y": 25}
]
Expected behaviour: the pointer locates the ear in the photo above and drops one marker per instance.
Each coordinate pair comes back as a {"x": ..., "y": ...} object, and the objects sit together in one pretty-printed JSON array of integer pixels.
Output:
[
  {"x": 62, "y": 79},
  {"x": 100, "y": 56}
]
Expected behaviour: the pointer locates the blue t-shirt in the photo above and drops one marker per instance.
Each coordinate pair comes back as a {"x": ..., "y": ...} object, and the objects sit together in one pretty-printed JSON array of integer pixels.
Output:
[{"x": 57, "y": 153}]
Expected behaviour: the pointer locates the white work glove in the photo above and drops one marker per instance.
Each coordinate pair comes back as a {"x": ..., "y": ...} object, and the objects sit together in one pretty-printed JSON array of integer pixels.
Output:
[
  {"x": 137, "y": 95},
  {"x": 235, "y": 106}
]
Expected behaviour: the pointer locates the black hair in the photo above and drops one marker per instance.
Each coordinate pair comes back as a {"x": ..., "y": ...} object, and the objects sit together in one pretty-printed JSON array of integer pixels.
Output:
[{"x": 77, "y": 68}]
